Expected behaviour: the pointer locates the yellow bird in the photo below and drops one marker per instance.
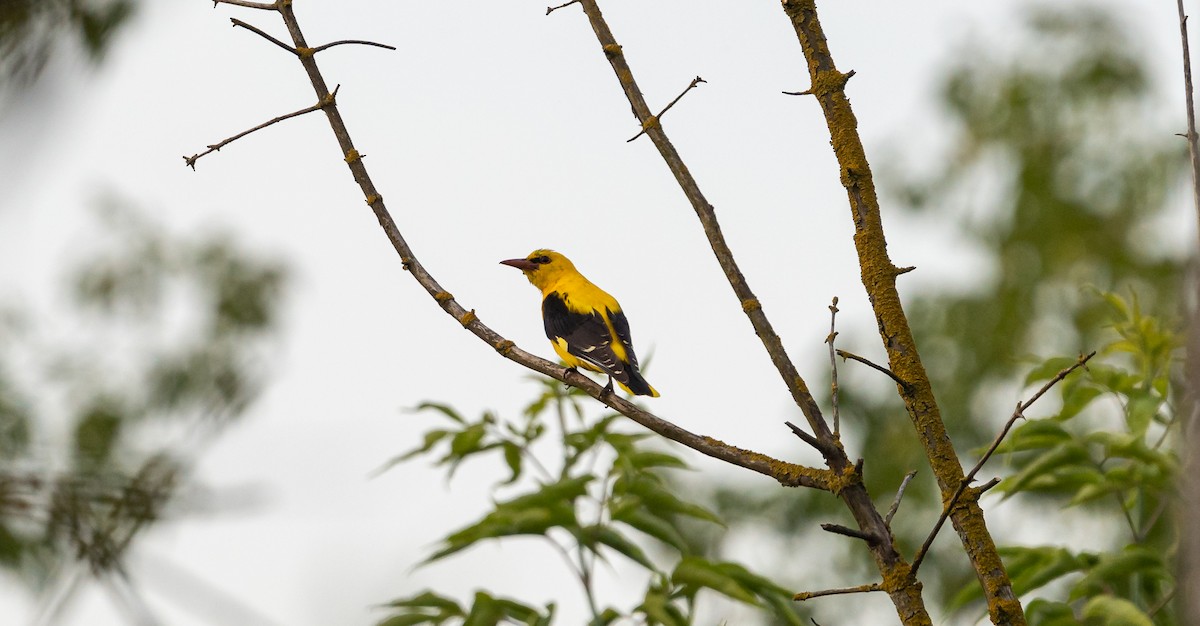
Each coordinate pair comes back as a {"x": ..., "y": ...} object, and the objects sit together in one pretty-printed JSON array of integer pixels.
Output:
[{"x": 584, "y": 323}]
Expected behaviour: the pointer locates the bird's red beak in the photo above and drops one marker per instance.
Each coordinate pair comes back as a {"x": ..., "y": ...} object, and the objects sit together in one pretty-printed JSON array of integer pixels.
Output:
[{"x": 525, "y": 265}]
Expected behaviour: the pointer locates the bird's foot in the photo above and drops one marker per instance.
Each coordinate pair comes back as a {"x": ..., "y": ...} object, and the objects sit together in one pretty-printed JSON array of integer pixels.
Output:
[
  {"x": 608, "y": 389},
  {"x": 570, "y": 370}
]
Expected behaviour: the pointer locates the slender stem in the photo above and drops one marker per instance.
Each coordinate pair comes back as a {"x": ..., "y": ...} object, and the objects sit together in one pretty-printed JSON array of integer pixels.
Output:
[
  {"x": 1192, "y": 138},
  {"x": 833, "y": 373},
  {"x": 807, "y": 595}
]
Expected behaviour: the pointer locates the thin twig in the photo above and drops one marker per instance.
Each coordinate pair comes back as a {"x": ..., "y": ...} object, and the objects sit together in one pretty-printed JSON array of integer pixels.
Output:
[
  {"x": 820, "y": 446},
  {"x": 838, "y": 529},
  {"x": 657, "y": 119},
  {"x": 868, "y": 363},
  {"x": 191, "y": 161},
  {"x": 833, "y": 311},
  {"x": 550, "y": 10},
  {"x": 360, "y": 42},
  {"x": 808, "y": 92},
  {"x": 1192, "y": 139},
  {"x": 899, "y": 496},
  {"x": 261, "y": 33},
  {"x": 265, "y": 6},
  {"x": 807, "y": 595},
  {"x": 1018, "y": 413}
]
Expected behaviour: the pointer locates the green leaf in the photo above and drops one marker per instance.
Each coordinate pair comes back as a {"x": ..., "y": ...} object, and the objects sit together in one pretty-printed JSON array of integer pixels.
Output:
[
  {"x": 1035, "y": 435},
  {"x": 467, "y": 440},
  {"x": 1112, "y": 611},
  {"x": 531, "y": 514},
  {"x": 659, "y": 610},
  {"x": 646, "y": 459},
  {"x": 1116, "y": 569},
  {"x": 444, "y": 409},
  {"x": 1042, "y": 612},
  {"x": 423, "y": 608},
  {"x": 512, "y": 456},
  {"x": 1075, "y": 398},
  {"x": 1066, "y": 466},
  {"x": 485, "y": 611},
  {"x": 1032, "y": 568},
  {"x": 659, "y": 501},
  {"x": 1140, "y": 411},
  {"x": 694, "y": 572},
  {"x": 1049, "y": 369},
  {"x": 647, "y": 523},
  {"x": 608, "y": 536}
]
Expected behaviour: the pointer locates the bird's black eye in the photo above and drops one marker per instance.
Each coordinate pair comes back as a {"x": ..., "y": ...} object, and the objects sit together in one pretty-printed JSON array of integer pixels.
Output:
[{"x": 542, "y": 260}]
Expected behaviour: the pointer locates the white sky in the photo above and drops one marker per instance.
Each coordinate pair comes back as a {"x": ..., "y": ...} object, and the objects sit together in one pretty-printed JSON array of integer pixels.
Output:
[{"x": 493, "y": 130}]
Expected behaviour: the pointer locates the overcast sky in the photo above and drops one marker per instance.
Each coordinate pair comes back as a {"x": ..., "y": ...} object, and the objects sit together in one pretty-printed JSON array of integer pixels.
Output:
[{"x": 491, "y": 131}]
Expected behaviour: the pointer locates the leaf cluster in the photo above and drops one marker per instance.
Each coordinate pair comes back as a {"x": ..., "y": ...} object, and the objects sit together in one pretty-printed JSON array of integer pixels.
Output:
[
  {"x": 1077, "y": 458},
  {"x": 605, "y": 495},
  {"x": 169, "y": 331}
]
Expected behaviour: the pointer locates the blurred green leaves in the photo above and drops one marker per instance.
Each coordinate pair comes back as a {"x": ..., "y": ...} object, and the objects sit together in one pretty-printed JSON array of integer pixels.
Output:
[
  {"x": 1078, "y": 458},
  {"x": 32, "y": 30},
  {"x": 604, "y": 495},
  {"x": 165, "y": 344}
]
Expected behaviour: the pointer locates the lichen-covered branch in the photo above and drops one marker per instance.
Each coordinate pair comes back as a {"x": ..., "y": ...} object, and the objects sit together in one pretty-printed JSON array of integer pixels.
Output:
[
  {"x": 904, "y": 592},
  {"x": 879, "y": 277}
]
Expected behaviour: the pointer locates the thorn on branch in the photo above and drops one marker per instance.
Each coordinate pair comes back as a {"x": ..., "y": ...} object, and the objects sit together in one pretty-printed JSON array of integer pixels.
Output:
[
  {"x": 890, "y": 373},
  {"x": 904, "y": 270},
  {"x": 807, "y": 595},
  {"x": 550, "y": 10},
  {"x": 259, "y": 32},
  {"x": 653, "y": 120},
  {"x": 838, "y": 529}
]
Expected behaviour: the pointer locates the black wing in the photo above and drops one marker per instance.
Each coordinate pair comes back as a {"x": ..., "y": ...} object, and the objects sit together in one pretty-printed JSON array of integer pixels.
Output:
[
  {"x": 586, "y": 335},
  {"x": 621, "y": 325}
]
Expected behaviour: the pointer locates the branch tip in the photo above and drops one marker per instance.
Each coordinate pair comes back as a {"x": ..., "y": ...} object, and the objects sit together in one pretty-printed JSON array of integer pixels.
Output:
[{"x": 550, "y": 10}]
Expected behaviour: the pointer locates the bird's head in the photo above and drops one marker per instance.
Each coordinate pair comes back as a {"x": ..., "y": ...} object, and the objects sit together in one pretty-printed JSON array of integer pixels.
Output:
[{"x": 542, "y": 267}]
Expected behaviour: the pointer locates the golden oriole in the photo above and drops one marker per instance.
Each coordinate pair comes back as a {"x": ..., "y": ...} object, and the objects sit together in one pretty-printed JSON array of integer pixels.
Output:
[{"x": 585, "y": 324}]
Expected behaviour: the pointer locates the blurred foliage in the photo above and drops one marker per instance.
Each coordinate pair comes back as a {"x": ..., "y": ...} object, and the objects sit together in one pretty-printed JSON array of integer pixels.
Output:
[
  {"x": 1056, "y": 173},
  {"x": 32, "y": 30},
  {"x": 1078, "y": 459},
  {"x": 104, "y": 406},
  {"x": 592, "y": 492}
]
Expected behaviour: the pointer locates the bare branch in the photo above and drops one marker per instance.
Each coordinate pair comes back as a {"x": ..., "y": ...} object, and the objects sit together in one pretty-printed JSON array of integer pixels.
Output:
[
  {"x": 191, "y": 161},
  {"x": 868, "y": 363},
  {"x": 838, "y": 529},
  {"x": 833, "y": 382},
  {"x": 899, "y": 496},
  {"x": 1018, "y": 413},
  {"x": 344, "y": 42},
  {"x": 264, "y": 35},
  {"x": 807, "y": 595},
  {"x": 265, "y": 6},
  {"x": 550, "y": 10},
  {"x": 1192, "y": 139},
  {"x": 657, "y": 119}
]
